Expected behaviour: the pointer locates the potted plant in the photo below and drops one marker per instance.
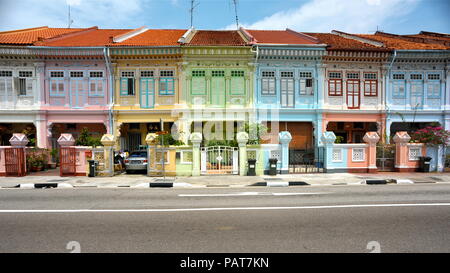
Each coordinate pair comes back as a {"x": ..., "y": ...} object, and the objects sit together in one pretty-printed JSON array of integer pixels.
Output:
[
  {"x": 436, "y": 138},
  {"x": 36, "y": 161},
  {"x": 54, "y": 155}
]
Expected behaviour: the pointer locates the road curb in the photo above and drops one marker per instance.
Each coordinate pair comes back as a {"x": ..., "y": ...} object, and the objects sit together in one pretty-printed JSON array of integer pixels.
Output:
[
  {"x": 44, "y": 186},
  {"x": 280, "y": 184},
  {"x": 163, "y": 185}
]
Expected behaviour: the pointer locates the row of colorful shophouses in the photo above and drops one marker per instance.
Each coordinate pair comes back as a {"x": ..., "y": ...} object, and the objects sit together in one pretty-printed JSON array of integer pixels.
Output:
[{"x": 331, "y": 102}]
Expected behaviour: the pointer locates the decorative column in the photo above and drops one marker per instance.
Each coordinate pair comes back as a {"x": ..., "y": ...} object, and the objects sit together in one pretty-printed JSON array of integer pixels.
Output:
[
  {"x": 42, "y": 136},
  {"x": 39, "y": 97},
  {"x": 151, "y": 150},
  {"x": 108, "y": 142},
  {"x": 284, "y": 138},
  {"x": 372, "y": 139},
  {"x": 401, "y": 140},
  {"x": 242, "y": 139},
  {"x": 196, "y": 139},
  {"x": 328, "y": 138}
]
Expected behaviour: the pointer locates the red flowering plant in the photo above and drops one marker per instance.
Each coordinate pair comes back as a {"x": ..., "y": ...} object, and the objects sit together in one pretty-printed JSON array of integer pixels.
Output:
[{"x": 432, "y": 136}]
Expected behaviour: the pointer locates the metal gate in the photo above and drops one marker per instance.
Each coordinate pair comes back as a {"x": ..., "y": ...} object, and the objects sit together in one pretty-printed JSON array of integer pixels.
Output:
[
  {"x": 67, "y": 159},
  {"x": 219, "y": 160},
  {"x": 15, "y": 162},
  {"x": 306, "y": 160},
  {"x": 386, "y": 157}
]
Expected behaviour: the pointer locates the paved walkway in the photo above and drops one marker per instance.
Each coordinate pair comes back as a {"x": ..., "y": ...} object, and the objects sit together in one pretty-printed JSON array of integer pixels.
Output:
[{"x": 126, "y": 180}]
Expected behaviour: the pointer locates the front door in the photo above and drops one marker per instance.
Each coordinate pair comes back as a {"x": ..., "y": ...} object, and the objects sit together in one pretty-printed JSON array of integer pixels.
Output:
[
  {"x": 77, "y": 93},
  {"x": 287, "y": 93},
  {"x": 147, "y": 92},
  {"x": 353, "y": 94},
  {"x": 134, "y": 140}
]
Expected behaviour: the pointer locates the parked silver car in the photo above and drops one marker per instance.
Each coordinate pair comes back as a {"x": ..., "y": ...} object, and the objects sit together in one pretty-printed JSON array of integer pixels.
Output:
[{"x": 136, "y": 161}]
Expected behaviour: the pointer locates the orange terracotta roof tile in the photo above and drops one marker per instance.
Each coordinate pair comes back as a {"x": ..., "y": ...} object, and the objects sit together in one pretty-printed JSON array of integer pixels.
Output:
[
  {"x": 281, "y": 37},
  {"x": 336, "y": 42},
  {"x": 153, "y": 37},
  {"x": 88, "y": 38},
  {"x": 31, "y": 35},
  {"x": 401, "y": 44},
  {"x": 217, "y": 38}
]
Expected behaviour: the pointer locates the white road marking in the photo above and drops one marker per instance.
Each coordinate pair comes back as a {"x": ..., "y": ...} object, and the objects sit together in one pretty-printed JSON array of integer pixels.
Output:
[
  {"x": 249, "y": 194},
  {"x": 228, "y": 209}
]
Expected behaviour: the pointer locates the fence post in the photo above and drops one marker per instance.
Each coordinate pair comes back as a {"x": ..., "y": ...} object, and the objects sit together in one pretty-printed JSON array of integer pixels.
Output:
[
  {"x": 372, "y": 139},
  {"x": 149, "y": 139},
  {"x": 196, "y": 139},
  {"x": 401, "y": 140},
  {"x": 242, "y": 139},
  {"x": 19, "y": 140},
  {"x": 285, "y": 138},
  {"x": 108, "y": 142},
  {"x": 328, "y": 138}
]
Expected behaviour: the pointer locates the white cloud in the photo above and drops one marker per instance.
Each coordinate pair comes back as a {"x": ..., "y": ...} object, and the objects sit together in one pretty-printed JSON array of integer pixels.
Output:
[
  {"x": 84, "y": 13},
  {"x": 357, "y": 16}
]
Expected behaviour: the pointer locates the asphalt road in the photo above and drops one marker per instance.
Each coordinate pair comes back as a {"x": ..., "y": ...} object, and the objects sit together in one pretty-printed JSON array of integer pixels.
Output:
[{"x": 389, "y": 218}]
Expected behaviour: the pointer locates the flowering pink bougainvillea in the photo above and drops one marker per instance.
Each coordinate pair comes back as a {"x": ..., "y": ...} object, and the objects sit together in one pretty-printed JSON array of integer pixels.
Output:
[{"x": 432, "y": 136}]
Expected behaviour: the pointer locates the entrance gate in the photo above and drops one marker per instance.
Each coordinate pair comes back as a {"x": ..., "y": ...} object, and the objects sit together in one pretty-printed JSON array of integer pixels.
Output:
[
  {"x": 68, "y": 158},
  {"x": 219, "y": 160},
  {"x": 306, "y": 160},
  {"x": 386, "y": 157},
  {"x": 15, "y": 162}
]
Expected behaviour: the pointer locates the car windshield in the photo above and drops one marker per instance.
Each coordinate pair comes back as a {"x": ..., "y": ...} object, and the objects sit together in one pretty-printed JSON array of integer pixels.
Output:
[{"x": 138, "y": 154}]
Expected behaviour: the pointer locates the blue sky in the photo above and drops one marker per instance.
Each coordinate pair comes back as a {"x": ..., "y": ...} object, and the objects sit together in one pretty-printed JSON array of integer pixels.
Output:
[{"x": 357, "y": 16}]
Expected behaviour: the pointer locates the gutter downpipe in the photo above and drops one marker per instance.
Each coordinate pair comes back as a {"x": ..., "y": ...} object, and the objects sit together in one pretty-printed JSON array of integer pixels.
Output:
[
  {"x": 386, "y": 88},
  {"x": 256, "y": 81},
  {"x": 111, "y": 89}
]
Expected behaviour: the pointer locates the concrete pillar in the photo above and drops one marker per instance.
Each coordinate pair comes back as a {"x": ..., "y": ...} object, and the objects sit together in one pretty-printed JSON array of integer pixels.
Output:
[
  {"x": 42, "y": 132},
  {"x": 284, "y": 138},
  {"x": 151, "y": 151},
  {"x": 328, "y": 139},
  {"x": 401, "y": 140},
  {"x": 196, "y": 139},
  {"x": 372, "y": 139},
  {"x": 108, "y": 142},
  {"x": 242, "y": 139}
]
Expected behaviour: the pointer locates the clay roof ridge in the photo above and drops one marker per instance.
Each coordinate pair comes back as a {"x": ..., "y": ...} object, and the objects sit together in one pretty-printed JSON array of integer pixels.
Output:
[
  {"x": 129, "y": 34},
  {"x": 66, "y": 35},
  {"x": 303, "y": 35},
  {"x": 357, "y": 38},
  {"x": 411, "y": 38},
  {"x": 437, "y": 34},
  {"x": 187, "y": 36},
  {"x": 23, "y": 30},
  {"x": 248, "y": 37}
]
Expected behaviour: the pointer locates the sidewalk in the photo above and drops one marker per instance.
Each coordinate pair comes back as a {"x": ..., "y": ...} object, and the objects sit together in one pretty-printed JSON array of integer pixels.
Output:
[{"x": 130, "y": 180}]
